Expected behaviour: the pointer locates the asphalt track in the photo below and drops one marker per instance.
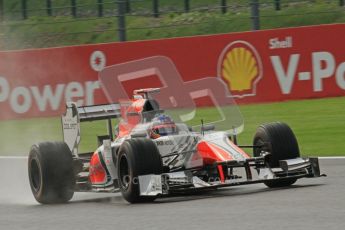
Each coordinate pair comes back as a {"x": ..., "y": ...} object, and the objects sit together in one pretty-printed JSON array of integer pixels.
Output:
[{"x": 310, "y": 204}]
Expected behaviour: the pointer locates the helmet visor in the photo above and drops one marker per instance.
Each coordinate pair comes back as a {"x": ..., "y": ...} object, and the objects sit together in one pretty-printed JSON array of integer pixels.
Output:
[{"x": 164, "y": 130}]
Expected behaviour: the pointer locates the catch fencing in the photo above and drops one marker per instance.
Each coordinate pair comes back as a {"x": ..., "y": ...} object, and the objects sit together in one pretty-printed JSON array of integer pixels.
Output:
[{"x": 23, "y": 13}]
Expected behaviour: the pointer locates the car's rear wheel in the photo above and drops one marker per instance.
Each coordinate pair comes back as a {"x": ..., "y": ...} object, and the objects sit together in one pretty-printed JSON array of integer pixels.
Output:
[
  {"x": 278, "y": 139},
  {"x": 138, "y": 156},
  {"x": 51, "y": 174}
]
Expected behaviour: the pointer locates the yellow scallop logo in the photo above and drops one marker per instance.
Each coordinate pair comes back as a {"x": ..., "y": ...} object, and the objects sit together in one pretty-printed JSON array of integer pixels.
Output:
[{"x": 240, "y": 68}]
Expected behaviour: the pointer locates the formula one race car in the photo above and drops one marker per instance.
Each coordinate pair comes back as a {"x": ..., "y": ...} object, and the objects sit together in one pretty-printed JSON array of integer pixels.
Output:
[{"x": 155, "y": 153}]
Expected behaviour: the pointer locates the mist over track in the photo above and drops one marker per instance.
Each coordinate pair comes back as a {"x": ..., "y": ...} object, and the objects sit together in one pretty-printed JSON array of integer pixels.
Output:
[{"x": 309, "y": 204}]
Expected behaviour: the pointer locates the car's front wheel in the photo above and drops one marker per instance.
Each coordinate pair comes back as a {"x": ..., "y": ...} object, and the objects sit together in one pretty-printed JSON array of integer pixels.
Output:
[
  {"x": 278, "y": 139},
  {"x": 138, "y": 156}
]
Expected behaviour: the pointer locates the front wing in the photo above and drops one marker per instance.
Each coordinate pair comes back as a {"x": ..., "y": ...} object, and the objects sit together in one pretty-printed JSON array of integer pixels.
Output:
[{"x": 184, "y": 181}]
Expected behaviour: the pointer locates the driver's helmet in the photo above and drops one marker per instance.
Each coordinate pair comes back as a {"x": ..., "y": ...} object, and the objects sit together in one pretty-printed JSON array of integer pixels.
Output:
[{"x": 162, "y": 125}]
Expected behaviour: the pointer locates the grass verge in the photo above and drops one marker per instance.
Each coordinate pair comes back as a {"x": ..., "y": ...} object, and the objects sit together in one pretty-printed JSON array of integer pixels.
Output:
[{"x": 318, "y": 124}]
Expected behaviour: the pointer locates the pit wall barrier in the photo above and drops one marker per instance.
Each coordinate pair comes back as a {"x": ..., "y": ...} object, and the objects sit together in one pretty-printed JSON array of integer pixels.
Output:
[{"x": 256, "y": 67}]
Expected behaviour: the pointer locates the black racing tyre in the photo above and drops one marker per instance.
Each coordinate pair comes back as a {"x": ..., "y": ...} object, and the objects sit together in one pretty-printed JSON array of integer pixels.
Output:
[
  {"x": 278, "y": 139},
  {"x": 137, "y": 156},
  {"x": 51, "y": 174}
]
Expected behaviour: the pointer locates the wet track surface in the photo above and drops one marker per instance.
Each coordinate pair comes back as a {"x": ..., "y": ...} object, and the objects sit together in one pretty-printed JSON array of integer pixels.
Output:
[{"x": 309, "y": 204}]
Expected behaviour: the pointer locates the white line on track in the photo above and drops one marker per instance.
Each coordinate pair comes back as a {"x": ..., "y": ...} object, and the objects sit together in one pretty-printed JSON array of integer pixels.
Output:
[
  {"x": 13, "y": 157},
  {"x": 332, "y": 158},
  {"x": 25, "y": 157}
]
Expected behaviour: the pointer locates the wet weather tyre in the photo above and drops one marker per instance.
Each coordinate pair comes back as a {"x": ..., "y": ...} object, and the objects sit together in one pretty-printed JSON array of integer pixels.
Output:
[
  {"x": 278, "y": 139},
  {"x": 51, "y": 174},
  {"x": 138, "y": 156}
]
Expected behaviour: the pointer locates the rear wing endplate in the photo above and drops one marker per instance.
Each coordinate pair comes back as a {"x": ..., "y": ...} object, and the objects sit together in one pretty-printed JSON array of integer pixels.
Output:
[{"x": 74, "y": 115}]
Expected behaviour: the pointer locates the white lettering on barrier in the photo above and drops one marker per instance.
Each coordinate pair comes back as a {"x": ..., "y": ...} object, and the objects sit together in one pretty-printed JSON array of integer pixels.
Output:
[
  {"x": 276, "y": 43},
  {"x": 340, "y": 76},
  {"x": 48, "y": 97},
  {"x": 320, "y": 59},
  {"x": 323, "y": 67},
  {"x": 91, "y": 86},
  {"x": 285, "y": 78},
  {"x": 74, "y": 91},
  {"x": 4, "y": 89},
  {"x": 22, "y": 98}
]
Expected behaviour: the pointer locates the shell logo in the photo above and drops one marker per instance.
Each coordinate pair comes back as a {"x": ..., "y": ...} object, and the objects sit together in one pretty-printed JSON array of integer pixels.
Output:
[{"x": 240, "y": 67}]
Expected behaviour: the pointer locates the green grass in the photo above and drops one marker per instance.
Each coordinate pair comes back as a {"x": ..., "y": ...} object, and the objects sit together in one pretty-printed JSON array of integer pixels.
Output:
[
  {"x": 318, "y": 124},
  {"x": 43, "y": 31}
]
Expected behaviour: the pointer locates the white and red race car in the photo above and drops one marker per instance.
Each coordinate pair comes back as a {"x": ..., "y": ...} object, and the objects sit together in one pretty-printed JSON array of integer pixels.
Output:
[{"x": 155, "y": 153}]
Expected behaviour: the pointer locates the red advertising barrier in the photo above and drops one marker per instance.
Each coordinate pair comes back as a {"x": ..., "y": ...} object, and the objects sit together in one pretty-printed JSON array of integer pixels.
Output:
[{"x": 261, "y": 66}]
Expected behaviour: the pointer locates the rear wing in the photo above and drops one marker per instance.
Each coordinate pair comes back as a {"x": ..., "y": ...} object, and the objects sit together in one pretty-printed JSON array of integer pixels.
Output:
[{"x": 74, "y": 115}]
